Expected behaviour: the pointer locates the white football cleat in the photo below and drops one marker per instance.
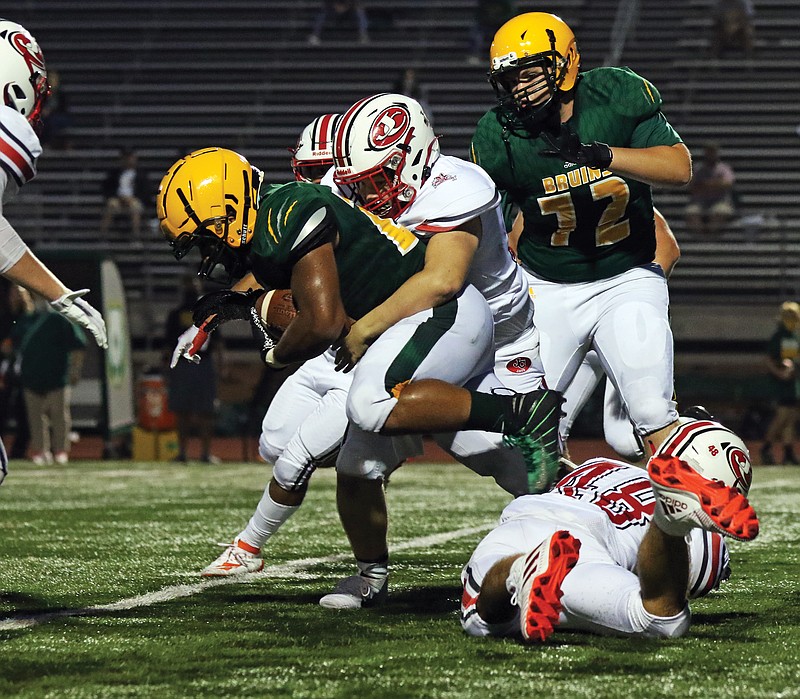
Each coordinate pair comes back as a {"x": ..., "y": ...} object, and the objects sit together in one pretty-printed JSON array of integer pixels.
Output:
[
  {"x": 356, "y": 592},
  {"x": 534, "y": 582},
  {"x": 234, "y": 560},
  {"x": 685, "y": 500}
]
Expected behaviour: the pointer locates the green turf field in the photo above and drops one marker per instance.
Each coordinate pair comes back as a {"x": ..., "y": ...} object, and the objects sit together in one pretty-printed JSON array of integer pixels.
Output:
[{"x": 100, "y": 597}]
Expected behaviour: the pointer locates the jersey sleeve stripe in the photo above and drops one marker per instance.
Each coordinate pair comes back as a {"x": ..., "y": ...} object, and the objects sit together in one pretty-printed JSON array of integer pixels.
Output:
[
  {"x": 429, "y": 228},
  {"x": 19, "y": 161},
  {"x": 12, "y": 173},
  {"x": 712, "y": 566}
]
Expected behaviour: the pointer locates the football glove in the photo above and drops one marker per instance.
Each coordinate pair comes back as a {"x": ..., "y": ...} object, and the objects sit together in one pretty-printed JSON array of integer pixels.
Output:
[
  {"x": 75, "y": 309},
  {"x": 224, "y": 305},
  {"x": 567, "y": 146},
  {"x": 184, "y": 346}
]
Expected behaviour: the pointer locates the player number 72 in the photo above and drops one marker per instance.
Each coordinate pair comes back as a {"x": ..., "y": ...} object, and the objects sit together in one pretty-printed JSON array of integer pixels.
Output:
[{"x": 612, "y": 226}]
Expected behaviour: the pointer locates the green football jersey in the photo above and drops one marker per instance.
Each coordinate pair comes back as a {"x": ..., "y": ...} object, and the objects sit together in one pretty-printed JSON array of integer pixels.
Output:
[
  {"x": 581, "y": 224},
  {"x": 374, "y": 256}
]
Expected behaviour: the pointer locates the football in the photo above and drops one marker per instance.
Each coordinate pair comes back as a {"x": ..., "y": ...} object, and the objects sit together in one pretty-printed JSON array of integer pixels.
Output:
[{"x": 280, "y": 310}]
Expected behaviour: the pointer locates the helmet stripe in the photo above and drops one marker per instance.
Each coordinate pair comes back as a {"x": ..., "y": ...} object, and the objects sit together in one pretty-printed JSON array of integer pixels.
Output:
[
  {"x": 343, "y": 133},
  {"x": 322, "y": 139},
  {"x": 677, "y": 443}
]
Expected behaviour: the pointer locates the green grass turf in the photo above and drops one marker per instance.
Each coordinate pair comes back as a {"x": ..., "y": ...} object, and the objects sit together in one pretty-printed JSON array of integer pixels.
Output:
[{"x": 100, "y": 533}]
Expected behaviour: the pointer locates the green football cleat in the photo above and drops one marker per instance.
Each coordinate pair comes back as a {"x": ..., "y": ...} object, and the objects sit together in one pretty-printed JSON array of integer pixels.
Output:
[{"x": 532, "y": 426}]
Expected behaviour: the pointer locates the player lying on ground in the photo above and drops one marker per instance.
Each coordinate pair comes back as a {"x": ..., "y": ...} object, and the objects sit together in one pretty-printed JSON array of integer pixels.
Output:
[{"x": 612, "y": 551}]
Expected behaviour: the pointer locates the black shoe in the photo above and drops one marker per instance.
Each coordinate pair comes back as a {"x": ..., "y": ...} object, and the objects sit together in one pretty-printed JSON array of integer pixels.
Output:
[
  {"x": 789, "y": 458},
  {"x": 531, "y": 424},
  {"x": 766, "y": 457},
  {"x": 697, "y": 412}
]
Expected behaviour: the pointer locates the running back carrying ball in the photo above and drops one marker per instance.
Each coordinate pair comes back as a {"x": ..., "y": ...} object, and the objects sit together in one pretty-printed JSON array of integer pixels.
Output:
[{"x": 280, "y": 310}]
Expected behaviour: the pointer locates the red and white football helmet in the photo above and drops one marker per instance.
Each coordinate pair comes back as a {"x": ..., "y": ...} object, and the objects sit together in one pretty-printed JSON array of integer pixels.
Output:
[
  {"x": 712, "y": 450},
  {"x": 312, "y": 156},
  {"x": 383, "y": 153},
  {"x": 23, "y": 74}
]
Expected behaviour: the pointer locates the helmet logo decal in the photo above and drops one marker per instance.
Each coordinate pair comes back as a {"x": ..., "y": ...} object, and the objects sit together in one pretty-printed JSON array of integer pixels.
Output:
[
  {"x": 740, "y": 465},
  {"x": 389, "y": 127},
  {"x": 29, "y": 51}
]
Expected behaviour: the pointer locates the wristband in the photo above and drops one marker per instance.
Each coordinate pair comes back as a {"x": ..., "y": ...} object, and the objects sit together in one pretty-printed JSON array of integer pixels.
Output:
[{"x": 271, "y": 362}]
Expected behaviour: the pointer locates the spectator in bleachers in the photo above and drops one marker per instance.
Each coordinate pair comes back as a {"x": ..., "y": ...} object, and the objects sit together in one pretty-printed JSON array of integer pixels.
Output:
[
  {"x": 123, "y": 189},
  {"x": 340, "y": 10},
  {"x": 192, "y": 386},
  {"x": 711, "y": 194},
  {"x": 56, "y": 118},
  {"x": 489, "y": 15},
  {"x": 51, "y": 359},
  {"x": 733, "y": 28},
  {"x": 783, "y": 351}
]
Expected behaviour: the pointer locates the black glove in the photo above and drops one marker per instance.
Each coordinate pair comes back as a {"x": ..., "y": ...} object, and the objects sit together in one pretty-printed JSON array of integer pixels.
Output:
[
  {"x": 567, "y": 146},
  {"x": 224, "y": 305}
]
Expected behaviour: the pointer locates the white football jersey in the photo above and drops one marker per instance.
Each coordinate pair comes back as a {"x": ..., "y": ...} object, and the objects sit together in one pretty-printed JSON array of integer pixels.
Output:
[
  {"x": 19, "y": 151},
  {"x": 605, "y": 489},
  {"x": 456, "y": 192}
]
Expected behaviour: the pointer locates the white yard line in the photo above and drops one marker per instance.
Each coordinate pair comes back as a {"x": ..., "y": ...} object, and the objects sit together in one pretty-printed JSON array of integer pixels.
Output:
[{"x": 282, "y": 570}]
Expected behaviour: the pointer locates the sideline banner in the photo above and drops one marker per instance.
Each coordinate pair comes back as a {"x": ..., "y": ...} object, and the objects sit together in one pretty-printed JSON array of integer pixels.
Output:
[{"x": 118, "y": 389}]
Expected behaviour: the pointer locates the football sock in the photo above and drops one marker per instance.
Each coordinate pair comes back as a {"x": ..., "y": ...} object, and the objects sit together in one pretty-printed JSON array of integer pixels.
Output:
[
  {"x": 375, "y": 573},
  {"x": 266, "y": 520},
  {"x": 487, "y": 411}
]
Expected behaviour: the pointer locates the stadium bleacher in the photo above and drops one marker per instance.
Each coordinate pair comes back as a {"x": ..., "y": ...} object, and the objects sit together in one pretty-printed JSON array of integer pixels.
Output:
[{"x": 165, "y": 77}]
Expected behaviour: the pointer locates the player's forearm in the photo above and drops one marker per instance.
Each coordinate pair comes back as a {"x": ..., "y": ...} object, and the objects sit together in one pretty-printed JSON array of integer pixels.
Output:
[
  {"x": 448, "y": 258},
  {"x": 29, "y": 272},
  {"x": 667, "y": 250},
  {"x": 422, "y": 291},
  {"x": 659, "y": 165}
]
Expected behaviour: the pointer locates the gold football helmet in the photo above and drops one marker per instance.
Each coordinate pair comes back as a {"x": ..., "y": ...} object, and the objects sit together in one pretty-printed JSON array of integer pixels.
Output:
[
  {"x": 533, "y": 39},
  {"x": 209, "y": 199}
]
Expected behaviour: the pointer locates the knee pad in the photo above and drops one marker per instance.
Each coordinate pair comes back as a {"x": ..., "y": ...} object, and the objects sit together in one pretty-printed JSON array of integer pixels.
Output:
[
  {"x": 368, "y": 411},
  {"x": 651, "y": 413},
  {"x": 294, "y": 467},
  {"x": 268, "y": 450},
  {"x": 374, "y": 456}
]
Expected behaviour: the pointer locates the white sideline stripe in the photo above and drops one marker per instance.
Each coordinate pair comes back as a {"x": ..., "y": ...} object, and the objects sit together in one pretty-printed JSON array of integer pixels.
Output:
[{"x": 177, "y": 591}]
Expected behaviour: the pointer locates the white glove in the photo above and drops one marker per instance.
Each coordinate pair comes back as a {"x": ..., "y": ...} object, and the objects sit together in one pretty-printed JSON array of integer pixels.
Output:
[
  {"x": 184, "y": 346},
  {"x": 74, "y": 308}
]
